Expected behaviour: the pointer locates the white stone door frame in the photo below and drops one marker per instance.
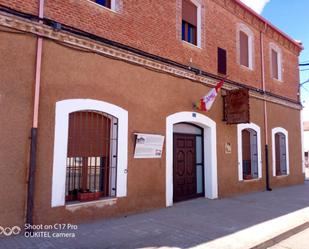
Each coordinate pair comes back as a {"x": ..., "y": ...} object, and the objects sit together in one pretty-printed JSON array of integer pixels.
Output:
[{"x": 210, "y": 152}]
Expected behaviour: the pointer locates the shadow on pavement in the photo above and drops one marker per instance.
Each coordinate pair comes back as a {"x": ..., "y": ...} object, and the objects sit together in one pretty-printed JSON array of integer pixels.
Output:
[{"x": 186, "y": 224}]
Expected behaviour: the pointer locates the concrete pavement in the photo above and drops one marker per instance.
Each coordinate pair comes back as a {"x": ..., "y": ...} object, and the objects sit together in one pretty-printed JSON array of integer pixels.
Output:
[
  {"x": 297, "y": 241},
  {"x": 238, "y": 222}
]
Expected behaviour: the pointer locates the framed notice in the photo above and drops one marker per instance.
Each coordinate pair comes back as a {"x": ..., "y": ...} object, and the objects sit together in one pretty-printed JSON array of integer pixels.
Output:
[
  {"x": 236, "y": 107},
  {"x": 148, "y": 146}
]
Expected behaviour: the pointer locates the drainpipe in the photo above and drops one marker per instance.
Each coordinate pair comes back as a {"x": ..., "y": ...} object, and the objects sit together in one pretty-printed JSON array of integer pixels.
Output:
[
  {"x": 265, "y": 107},
  {"x": 33, "y": 144}
]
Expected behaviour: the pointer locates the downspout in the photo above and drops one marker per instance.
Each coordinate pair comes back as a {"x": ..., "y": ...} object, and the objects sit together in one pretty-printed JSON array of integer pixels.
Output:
[
  {"x": 265, "y": 107},
  {"x": 33, "y": 144}
]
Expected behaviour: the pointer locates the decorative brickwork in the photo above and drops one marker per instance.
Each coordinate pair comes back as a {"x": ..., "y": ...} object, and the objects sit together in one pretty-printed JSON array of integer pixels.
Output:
[{"x": 154, "y": 27}]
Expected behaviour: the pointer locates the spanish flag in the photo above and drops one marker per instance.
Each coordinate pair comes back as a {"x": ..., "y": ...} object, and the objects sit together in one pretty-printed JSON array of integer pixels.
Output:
[{"x": 205, "y": 103}]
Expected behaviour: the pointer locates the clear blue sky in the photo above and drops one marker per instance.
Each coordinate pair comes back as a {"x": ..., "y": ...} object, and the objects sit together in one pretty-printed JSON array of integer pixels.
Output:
[{"x": 292, "y": 17}]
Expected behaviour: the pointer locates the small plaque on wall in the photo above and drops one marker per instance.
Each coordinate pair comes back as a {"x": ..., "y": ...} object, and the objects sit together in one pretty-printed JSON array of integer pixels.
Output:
[
  {"x": 148, "y": 146},
  {"x": 228, "y": 148}
]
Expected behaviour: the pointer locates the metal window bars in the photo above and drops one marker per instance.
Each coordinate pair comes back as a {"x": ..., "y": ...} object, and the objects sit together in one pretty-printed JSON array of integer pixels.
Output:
[{"x": 91, "y": 156}]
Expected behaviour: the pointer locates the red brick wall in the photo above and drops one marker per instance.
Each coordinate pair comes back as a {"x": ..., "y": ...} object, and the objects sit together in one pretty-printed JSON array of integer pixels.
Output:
[{"x": 155, "y": 27}]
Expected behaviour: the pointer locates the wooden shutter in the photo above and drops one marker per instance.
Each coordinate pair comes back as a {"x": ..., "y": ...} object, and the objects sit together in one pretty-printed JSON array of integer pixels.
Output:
[
  {"x": 246, "y": 153},
  {"x": 89, "y": 134},
  {"x": 244, "y": 48},
  {"x": 277, "y": 154},
  {"x": 254, "y": 154},
  {"x": 283, "y": 153},
  {"x": 189, "y": 12},
  {"x": 274, "y": 63},
  {"x": 221, "y": 61}
]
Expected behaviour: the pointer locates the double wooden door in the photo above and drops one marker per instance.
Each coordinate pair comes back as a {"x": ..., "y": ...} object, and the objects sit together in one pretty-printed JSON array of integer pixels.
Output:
[{"x": 184, "y": 167}]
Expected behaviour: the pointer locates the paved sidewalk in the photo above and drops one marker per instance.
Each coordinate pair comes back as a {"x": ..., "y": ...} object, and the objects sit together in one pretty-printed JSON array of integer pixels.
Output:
[{"x": 237, "y": 222}]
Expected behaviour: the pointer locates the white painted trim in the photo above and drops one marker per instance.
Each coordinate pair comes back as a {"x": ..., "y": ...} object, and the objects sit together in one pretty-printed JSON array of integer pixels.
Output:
[
  {"x": 199, "y": 22},
  {"x": 113, "y": 5},
  {"x": 273, "y": 133},
  {"x": 244, "y": 28},
  {"x": 240, "y": 128},
  {"x": 210, "y": 152},
  {"x": 277, "y": 49},
  {"x": 63, "y": 109}
]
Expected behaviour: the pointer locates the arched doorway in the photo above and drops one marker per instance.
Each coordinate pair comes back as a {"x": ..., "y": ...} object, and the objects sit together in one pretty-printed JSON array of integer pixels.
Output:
[{"x": 209, "y": 152}]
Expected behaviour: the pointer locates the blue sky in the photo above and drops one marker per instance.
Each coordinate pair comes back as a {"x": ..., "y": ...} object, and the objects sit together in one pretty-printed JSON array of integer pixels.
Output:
[{"x": 292, "y": 17}]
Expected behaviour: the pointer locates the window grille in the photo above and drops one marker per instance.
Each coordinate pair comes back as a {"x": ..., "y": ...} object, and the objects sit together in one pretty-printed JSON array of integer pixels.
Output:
[{"x": 91, "y": 156}]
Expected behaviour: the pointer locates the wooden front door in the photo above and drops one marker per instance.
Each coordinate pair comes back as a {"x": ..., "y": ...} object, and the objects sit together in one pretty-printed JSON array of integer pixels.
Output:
[{"x": 184, "y": 167}]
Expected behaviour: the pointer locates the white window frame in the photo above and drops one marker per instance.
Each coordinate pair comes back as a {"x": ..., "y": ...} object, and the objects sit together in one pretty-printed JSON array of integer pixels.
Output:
[
  {"x": 199, "y": 24},
  {"x": 256, "y": 128},
  {"x": 274, "y": 131},
  {"x": 63, "y": 109},
  {"x": 277, "y": 49},
  {"x": 242, "y": 27}
]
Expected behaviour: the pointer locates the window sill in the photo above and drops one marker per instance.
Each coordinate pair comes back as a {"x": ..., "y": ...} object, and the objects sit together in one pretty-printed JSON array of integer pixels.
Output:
[
  {"x": 279, "y": 81},
  {"x": 101, "y": 6},
  {"x": 191, "y": 45},
  {"x": 281, "y": 176},
  {"x": 251, "y": 180},
  {"x": 246, "y": 68},
  {"x": 101, "y": 202}
]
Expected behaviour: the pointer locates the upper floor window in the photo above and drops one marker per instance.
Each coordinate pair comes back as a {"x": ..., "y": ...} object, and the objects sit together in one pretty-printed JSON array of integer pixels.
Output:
[
  {"x": 105, "y": 3},
  {"x": 191, "y": 22},
  {"x": 245, "y": 46},
  {"x": 222, "y": 63},
  {"x": 115, "y": 5},
  {"x": 280, "y": 151},
  {"x": 275, "y": 62}
]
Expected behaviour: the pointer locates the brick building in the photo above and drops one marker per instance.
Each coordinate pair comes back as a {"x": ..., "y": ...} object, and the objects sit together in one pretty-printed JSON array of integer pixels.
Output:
[{"x": 79, "y": 79}]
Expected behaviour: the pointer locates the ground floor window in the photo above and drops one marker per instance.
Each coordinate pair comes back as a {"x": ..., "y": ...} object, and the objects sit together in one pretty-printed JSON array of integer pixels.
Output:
[
  {"x": 90, "y": 171},
  {"x": 90, "y": 151},
  {"x": 280, "y": 152},
  {"x": 280, "y": 145},
  {"x": 249, "y": 152}
]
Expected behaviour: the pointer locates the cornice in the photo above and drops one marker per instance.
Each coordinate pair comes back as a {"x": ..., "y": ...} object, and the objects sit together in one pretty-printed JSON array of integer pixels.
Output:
[
  {"x": 233, "y": 7},
  {"x": 44, "y": 31}
]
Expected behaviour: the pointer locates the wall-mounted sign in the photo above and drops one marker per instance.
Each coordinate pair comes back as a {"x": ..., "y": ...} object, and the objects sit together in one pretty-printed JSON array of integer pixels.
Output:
[
  {"x": 148, "y": 146},
  {"x": 236, "y": 106},
  {"x": 228, "y": 148}
]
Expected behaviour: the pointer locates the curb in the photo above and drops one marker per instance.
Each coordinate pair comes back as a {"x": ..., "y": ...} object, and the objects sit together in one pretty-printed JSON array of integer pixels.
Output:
[{"x": 273, "y": 241}]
